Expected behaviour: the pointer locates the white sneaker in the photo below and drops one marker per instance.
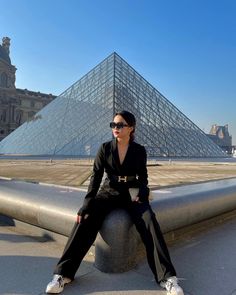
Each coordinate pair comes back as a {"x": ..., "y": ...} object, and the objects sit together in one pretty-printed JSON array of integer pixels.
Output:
[
  {"x": 57, "y": 284},
  {"x": 171, "y": 286}
]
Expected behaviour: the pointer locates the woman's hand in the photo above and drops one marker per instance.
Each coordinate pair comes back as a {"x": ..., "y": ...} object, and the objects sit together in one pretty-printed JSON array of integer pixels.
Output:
[
  {"x": 80, "y": 218},
  {"x": 136, "y": 199}
]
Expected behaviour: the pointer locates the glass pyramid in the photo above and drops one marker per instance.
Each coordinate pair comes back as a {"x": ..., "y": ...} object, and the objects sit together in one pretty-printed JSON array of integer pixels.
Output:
[{"x": 77, "y": 121}]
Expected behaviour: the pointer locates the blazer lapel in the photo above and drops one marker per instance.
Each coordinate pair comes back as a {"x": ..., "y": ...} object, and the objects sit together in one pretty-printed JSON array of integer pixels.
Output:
[
  {"x": 115, "y": 155},
  {"x": 128, "y": 160}
]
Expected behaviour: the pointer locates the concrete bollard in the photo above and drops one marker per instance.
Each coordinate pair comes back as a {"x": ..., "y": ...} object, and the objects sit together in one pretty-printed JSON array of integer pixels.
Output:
[{"x": 117, "y": 243}]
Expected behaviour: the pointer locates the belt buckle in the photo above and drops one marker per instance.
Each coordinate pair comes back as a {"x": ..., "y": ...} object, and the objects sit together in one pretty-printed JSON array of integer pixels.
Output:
[{"x": 122, "y": 178}]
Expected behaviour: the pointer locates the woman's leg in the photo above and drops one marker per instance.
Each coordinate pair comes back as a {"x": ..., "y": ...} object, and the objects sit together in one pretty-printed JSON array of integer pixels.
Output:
[
  {"x": 81, "y": 239},
  {"x": 157, "y": 252}
]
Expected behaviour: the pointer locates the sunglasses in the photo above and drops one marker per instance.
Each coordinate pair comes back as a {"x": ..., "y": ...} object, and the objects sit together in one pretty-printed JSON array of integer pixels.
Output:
[{"x": 119, "y": 125}]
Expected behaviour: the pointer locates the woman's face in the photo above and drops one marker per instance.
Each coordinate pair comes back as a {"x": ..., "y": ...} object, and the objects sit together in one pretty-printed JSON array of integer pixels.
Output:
[{"x": 121, "y": 133}]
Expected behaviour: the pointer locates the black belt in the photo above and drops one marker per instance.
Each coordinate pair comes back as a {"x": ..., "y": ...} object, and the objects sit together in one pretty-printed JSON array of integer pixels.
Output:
[{"x": 120, "y": 178}]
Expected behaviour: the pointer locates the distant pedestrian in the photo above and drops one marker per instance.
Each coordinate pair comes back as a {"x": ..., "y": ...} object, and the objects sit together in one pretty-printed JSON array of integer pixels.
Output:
[{"x": 124, "y": 162}]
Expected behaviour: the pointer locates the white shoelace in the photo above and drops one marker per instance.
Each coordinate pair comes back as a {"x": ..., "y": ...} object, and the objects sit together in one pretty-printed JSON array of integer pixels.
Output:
[
  {"x": 170, "y": 285},
  {"x": 59, "y": 280}
]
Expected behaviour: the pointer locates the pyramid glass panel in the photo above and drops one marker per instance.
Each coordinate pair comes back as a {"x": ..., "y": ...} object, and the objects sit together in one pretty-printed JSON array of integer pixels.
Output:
[{"x": 77, "y": 121}]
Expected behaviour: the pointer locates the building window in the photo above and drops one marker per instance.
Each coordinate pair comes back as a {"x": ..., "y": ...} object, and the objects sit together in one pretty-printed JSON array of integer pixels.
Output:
[
  {"x": 19, "y": 115},
  {"x": 3, "y": 80},
  {"x": 31, "y": 116},
  {"x": 3, "y": 116},
  {"x": 32, "y": 103}
]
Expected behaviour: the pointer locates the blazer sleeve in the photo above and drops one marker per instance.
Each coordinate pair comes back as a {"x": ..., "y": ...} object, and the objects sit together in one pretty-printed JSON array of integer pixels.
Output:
[
  {"x": 143, "y": 176},
  {"x": 95, "y": 181}
]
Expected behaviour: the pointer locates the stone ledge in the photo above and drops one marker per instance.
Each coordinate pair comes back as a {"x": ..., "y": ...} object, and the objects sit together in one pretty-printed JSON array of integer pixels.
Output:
[{"x": 55, "y": 208}]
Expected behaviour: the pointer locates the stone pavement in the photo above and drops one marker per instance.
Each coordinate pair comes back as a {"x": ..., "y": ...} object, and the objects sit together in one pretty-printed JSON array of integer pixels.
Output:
[
  {"x": 76, "y": 172},
  {"x": 206, "y": 261}
]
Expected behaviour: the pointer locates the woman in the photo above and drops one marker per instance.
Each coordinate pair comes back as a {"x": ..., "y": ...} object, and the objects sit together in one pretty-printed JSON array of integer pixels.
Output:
[{"x": 124, "y": 162}]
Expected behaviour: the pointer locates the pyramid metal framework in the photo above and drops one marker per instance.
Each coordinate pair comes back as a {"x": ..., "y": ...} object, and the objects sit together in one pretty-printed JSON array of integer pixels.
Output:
[{"x": 77, "y": 121}]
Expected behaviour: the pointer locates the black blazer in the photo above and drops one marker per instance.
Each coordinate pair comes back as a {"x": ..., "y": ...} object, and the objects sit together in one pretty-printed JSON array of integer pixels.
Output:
[{"x": 107, "y": 159}]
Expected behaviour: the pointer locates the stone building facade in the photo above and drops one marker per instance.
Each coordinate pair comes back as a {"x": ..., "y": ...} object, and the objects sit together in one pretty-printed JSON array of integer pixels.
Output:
[
  {"x": 220, "y": 135},
  {"x": 16, "y": 105}
]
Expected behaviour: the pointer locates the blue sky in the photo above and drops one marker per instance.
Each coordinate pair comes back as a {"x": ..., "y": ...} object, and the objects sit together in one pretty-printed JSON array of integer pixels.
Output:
[{"x": 184, "y": 48}]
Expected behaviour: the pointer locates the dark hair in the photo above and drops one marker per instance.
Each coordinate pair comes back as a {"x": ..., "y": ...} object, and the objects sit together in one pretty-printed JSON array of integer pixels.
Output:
[{"x": 130, "y": 119}]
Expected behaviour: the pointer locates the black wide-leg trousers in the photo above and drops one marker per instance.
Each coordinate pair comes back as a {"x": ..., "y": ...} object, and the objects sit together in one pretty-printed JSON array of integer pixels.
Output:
[{"x": 84, "y": 234}]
